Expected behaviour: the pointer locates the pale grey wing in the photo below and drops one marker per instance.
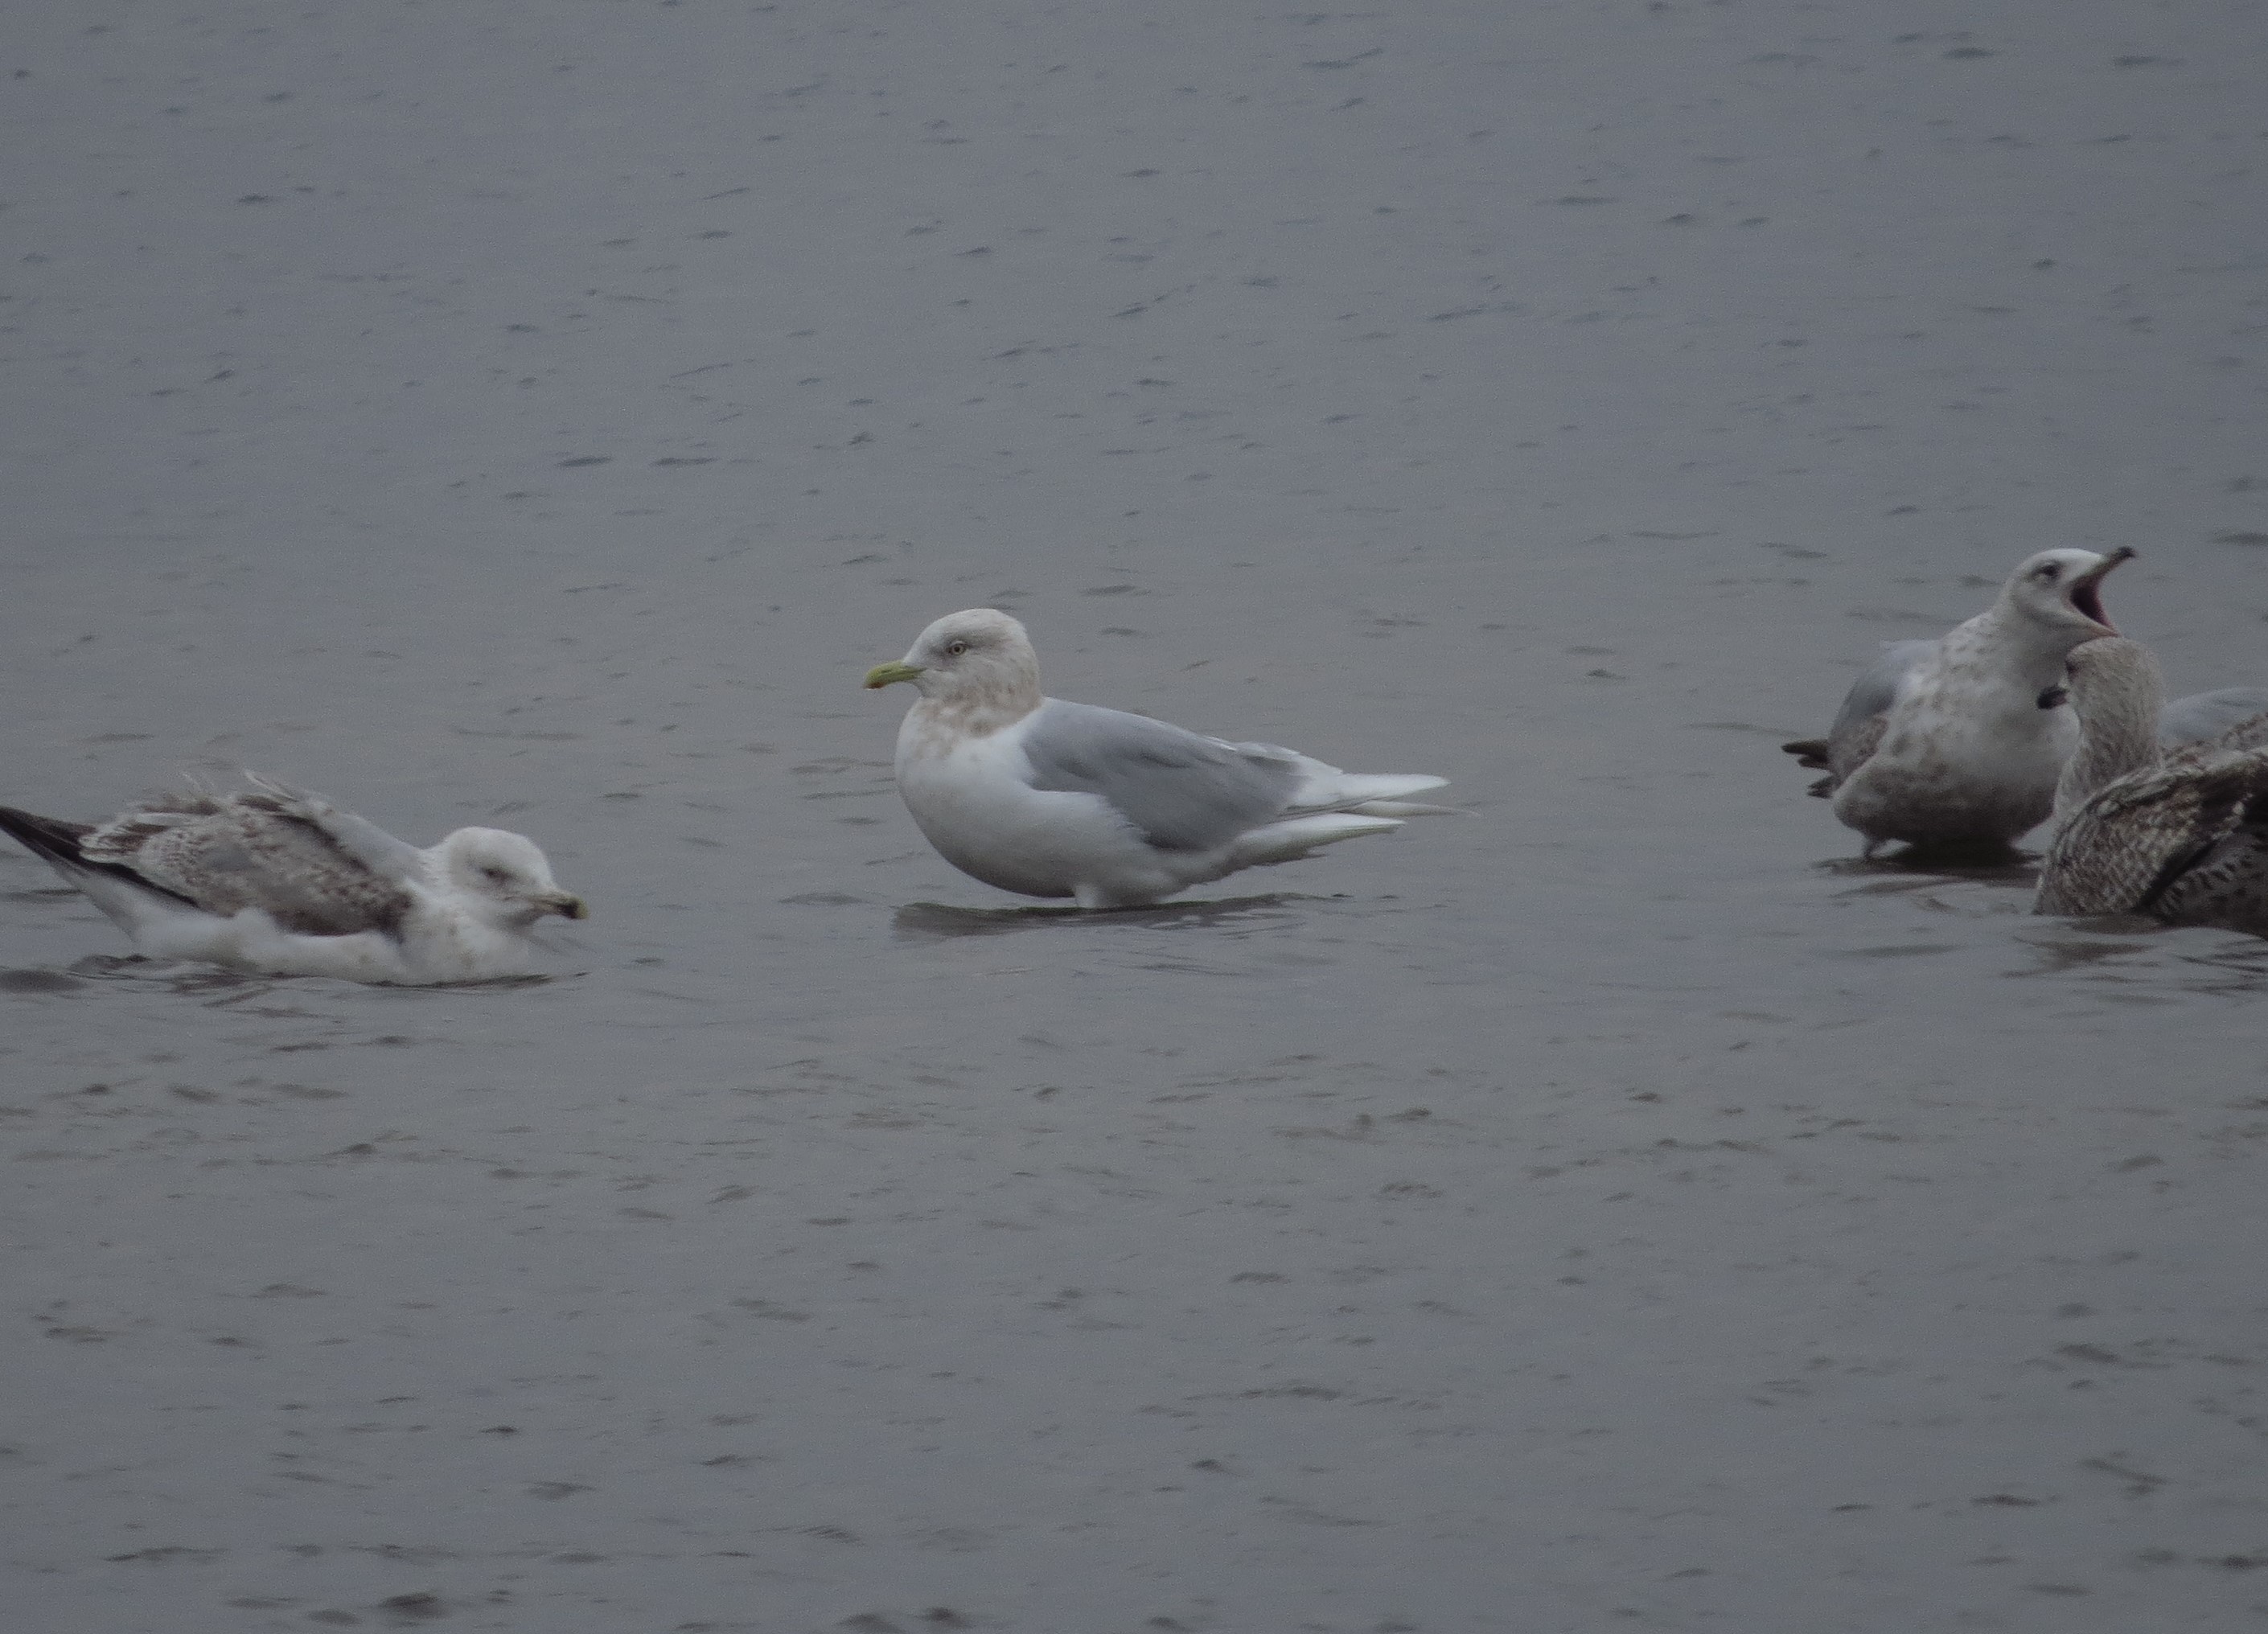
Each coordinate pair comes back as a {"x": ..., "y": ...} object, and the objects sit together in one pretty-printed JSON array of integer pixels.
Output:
[
  {"x": 1184, "y": 791},
  {"x": 358, "y": 837},
  {"x": 1851, "y": 751},
  {"x": 241, "y": 852},
  {"x": 1858, "y": 725},
  {"x": 2203, "y": 715}
]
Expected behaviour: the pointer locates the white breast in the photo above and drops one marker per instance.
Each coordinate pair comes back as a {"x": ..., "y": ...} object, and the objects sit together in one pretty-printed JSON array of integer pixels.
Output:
[{"x": 973, "y": 800}]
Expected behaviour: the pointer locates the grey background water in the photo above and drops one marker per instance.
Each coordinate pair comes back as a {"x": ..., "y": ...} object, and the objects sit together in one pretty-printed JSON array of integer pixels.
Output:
[{"x": 1617, "y": 1207}]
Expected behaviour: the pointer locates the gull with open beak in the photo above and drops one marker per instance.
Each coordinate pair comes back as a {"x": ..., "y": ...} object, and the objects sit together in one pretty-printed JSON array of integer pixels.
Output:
[{"x": 1960, "y": 741}]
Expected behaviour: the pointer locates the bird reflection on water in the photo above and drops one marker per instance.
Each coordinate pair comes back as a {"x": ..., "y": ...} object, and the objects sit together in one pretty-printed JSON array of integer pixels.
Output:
[{"x": 934, "y": 922}]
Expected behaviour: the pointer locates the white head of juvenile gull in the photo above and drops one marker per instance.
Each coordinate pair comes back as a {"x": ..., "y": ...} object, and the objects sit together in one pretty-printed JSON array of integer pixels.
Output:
[
  {"x": 1048, "y": 798},
  {"x": 1946, "y": 742},
  {"x": 2181, "y": 836},
  {"x": 278, "y": 880}
]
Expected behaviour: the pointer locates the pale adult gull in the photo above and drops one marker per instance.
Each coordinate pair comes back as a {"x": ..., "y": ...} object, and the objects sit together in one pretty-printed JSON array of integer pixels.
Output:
[
  {"x": 1857, "y": 723},
  {"x": 1048, "y": 798},
  {"x": 1946, "y": 741},
  {"x": 2181, "y": 835},
  {"x": 279, "y": 880}
]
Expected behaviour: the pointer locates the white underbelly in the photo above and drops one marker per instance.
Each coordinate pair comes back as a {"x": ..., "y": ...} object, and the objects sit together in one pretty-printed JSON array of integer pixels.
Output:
[{"x": 996, "y": 827}]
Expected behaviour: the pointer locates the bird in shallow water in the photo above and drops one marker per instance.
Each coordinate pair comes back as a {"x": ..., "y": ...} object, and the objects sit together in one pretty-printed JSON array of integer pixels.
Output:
[
  {"x": 2191, "y": 719},
  {"x": 2181, "y": 836},
  {"x": 1048, "y": 798},
  {"x": 278, "y": 880},
  {"x": 1945, "y": 742}
]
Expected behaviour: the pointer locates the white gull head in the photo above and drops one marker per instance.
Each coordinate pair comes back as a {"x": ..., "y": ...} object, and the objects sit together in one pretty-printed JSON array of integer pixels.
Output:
[
  {"x": 975, "y": 668},
  {"x": 2058, "y": 594},
  {"x": 503, "y": 878}
]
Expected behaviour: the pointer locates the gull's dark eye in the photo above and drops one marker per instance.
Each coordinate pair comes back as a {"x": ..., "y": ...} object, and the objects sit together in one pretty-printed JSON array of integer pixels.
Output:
[
  {"x": 491, "y": 872},
  {"x": 2047, "y": 573},
  {"x": 955, "y": 649}
]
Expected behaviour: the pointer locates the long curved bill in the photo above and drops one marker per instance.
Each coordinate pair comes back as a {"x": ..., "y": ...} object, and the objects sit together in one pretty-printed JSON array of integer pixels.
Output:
[{"x": 890, "y": 674}]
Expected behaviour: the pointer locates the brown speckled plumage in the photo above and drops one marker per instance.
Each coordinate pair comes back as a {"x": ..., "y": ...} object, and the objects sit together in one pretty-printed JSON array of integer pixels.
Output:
[
  {"x": 227, "y": 852},
  {"x": 2182, "y": 838},
  {"x": 280, "y": 881}
]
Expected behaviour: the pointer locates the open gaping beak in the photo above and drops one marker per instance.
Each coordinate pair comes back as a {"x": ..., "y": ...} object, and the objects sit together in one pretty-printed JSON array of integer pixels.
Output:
[{"x": 2086, "y": 589}]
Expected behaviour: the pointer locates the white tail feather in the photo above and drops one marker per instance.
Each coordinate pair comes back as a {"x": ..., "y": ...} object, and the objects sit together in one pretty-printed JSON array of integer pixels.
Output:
[
  {"x": 133, "y": 909},
  {"x": 1353, "y": 788},
  {"x": 1407, "y": 808},
  {"x": 1296, "y": 837},
  {"x": 1325, "y": 788}
]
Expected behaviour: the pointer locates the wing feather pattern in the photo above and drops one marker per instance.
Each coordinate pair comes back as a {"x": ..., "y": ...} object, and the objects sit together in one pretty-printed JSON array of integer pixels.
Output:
[
  {"x": 225, "y": 853},
  {"x": 1184, "y": 791}
]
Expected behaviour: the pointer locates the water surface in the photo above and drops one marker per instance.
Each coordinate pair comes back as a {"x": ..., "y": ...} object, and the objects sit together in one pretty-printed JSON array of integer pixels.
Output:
[{"x": 1619, "y": 1206}]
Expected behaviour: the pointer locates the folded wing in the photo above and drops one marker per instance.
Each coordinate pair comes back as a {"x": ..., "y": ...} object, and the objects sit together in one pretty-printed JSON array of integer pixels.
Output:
[
  {"x": 226, "y": 853},
  {"x": 1859, "y": 723},
  {"x": 1184, "y": 791}
]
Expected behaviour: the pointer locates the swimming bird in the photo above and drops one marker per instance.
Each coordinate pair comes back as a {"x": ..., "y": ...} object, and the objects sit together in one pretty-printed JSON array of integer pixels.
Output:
[
  {"x": 1945, "y": 742},
  {"x": 1048, "y": 798},
  {"x": 1858, "y": 725},
  {"x": 2180, "y": 835},
  {"x": 279, "y": 880}
]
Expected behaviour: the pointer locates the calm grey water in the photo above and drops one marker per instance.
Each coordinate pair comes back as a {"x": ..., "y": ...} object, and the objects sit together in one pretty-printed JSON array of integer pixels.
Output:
[{"x": 1618, "y": 1207}]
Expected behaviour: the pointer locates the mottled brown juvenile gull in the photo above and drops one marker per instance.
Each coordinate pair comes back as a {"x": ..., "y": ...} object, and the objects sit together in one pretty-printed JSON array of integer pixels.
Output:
[
  {"x": 1945, "y": 742},
  {"x": 278, "y": 880},
  {"x": 1048, "y": 798},
  {"x": 2182, "y": 836}
]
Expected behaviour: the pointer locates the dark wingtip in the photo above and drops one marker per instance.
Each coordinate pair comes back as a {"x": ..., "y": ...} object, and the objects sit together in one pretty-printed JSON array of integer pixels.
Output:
[
  {"x": 49, "y": 837},
  {"x": 57, "y": 843}
]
